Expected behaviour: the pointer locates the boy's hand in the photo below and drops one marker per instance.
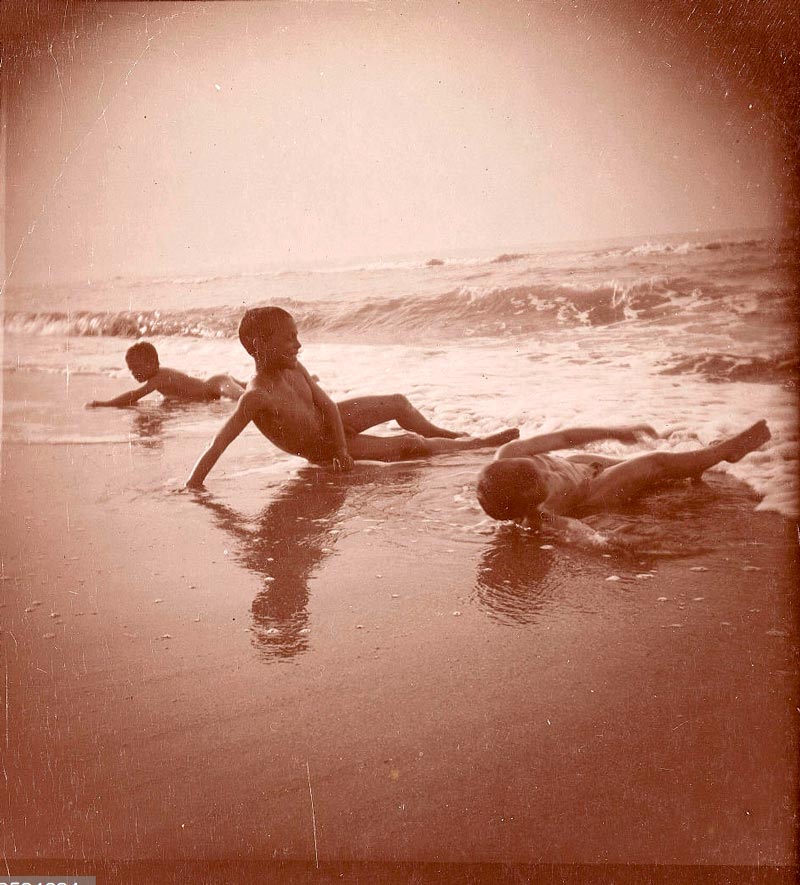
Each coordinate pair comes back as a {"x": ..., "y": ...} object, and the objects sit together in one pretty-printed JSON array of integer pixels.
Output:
[
  {"x": 342, "y": 463},
  {"x": 92, "y": 405}
]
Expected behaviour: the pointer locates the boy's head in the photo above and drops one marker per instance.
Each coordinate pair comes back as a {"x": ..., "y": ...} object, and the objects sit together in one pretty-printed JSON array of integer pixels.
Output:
[
  {"x": 142, "y": 360},
  {"x": 269, "y": 335},
  {"x": 510, "y": 488}
]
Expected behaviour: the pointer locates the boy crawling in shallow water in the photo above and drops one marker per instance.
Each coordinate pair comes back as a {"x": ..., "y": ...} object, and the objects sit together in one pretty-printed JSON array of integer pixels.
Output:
[
  {"x": 142, "y": 360},
  {"x": 526, "y": 485},
  {"x": 291, "y": 410}
]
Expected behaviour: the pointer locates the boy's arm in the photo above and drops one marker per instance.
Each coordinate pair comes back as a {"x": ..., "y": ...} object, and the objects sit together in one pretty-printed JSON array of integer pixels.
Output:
[
  {"x": 571, "y": 438},
  {"x": 124, "y": 399},
  {"x": 241, "y": 417},
  {"x": 333, "y": 419}
]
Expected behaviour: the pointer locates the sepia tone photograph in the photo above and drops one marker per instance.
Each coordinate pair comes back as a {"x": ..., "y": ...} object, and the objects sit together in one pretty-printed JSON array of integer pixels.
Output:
[{"x": 399, "y": 453}]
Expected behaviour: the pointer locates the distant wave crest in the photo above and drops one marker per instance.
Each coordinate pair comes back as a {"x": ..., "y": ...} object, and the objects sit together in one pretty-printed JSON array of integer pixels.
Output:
[
  {"x": 220, "y": 322},
  {"x": 645, "y": 249},
  {"x": 464, "y": 312},
  {"x": 781, "y": 369}
]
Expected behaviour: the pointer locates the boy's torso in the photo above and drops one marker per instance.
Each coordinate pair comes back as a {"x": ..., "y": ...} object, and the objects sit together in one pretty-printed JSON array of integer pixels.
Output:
[
  {"x": 565, "y": 480},
  {"x": 289, "y": 417},
  {"x": 172, "y": 383},
  {"x": 557, "y": 469}
]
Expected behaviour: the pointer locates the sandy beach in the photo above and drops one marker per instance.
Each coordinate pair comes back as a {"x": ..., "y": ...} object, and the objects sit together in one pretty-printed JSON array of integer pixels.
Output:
[
  {"x": 333, "y": 670},
  {"x": 539, "y": 215}
]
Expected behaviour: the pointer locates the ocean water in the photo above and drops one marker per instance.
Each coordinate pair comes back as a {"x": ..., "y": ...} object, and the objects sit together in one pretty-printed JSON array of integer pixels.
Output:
[{"x": 695, "y": 335}]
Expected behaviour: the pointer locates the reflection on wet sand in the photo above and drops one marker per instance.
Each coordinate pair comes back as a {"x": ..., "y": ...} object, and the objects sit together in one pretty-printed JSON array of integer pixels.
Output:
[
  {"x": 147, "y": 428},
  {"x": 286, "y": 543},
  {"x": 149, "y": 420},
  {"x": 517, "y": 572},
  {"x": 512, "y": 578},
  {"x": 153, "y": 421}
]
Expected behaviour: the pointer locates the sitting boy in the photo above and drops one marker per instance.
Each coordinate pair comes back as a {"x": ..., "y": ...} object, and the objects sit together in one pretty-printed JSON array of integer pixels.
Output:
[
  {"x": 290, "y": 409},
  {"x": 142, "y": 360},
  {"x": 525, "y": 485}
]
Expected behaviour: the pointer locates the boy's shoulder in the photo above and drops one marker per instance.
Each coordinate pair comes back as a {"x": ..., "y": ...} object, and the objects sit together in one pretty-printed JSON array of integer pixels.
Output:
[
  {"x": 167, "y": 376},
  {"x": 274, "y": 381},
  {"x": 165, "y": 373},
  {"x": 268, "y": 387}
]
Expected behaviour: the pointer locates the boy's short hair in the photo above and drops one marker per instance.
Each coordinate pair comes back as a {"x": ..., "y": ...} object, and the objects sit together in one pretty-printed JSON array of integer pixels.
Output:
[
  {"x": 260, "y": 322},
  {"x": 509, "y": 488},
  {"x": 142, "y": 350}
]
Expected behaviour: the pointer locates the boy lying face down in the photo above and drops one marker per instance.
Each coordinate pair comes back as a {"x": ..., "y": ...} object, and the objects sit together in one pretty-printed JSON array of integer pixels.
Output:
[
  {"x": 142, "y": 360},
  {"x": 527, "y": 485}
]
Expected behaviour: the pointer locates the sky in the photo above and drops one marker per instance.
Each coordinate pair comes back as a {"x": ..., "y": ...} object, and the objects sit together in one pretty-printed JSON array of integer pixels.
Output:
[{"x": 157, "y": 139}]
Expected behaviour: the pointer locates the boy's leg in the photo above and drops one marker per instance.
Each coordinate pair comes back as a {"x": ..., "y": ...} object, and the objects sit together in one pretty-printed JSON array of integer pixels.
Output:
[
  {"x": 226, "y": 386},
  {"x": 367, "y": 411},
  {"x": 408, "y": 446},
  {"x": 631, "y": 477}
]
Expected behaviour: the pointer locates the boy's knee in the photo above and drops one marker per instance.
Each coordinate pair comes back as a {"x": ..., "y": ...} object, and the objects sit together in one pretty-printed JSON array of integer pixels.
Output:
[{"x": 400, "y": 403}]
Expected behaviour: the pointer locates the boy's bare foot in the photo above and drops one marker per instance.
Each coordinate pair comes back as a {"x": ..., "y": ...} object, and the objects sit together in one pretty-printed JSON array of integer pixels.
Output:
[
  {"x": 745, "y": 442},
  {"x": 496, "y": 439}
]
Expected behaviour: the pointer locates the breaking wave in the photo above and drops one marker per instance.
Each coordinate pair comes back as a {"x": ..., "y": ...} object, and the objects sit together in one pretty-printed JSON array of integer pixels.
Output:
[
  {"x": 466, "y": 311},
  {"x": 719, "y": 367}
]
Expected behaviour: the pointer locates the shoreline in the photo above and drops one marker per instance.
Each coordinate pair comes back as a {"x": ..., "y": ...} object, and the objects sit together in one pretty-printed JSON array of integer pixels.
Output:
[{"x": 450, "y": 692}]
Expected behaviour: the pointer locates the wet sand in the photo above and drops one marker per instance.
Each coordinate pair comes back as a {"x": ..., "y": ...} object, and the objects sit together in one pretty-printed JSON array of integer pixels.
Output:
[{"x": 344, "y": 670}]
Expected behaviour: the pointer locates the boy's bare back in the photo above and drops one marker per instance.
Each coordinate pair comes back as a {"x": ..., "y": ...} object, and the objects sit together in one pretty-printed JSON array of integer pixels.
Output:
[
  {"x": 177, "y": 385},
  {"x": 143, "y": 362}
]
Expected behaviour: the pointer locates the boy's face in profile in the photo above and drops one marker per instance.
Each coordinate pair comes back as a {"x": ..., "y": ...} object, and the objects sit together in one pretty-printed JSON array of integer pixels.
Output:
[
  {"x": 142, "y": 367},
  {"x": 280, "y": 349}
]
